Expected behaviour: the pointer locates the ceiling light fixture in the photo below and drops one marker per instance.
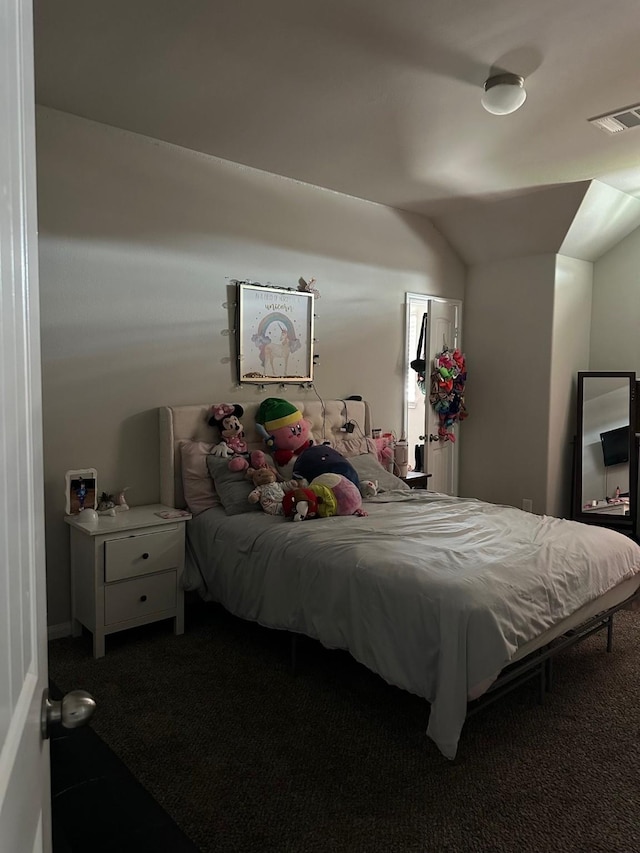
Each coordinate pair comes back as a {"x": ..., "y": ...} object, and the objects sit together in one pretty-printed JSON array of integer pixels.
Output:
[{"x": 503, "y": 94}]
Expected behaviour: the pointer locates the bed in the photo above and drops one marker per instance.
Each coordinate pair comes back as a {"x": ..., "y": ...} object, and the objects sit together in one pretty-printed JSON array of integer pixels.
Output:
[{"x": 448, "y": 598}]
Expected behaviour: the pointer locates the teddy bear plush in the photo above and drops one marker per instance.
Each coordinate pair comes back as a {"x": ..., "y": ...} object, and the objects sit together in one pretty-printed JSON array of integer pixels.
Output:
[
  {"x": 226, "y": 417},
  {"x": 286, "y": 433},
  {"x": 267, "y": 491}
]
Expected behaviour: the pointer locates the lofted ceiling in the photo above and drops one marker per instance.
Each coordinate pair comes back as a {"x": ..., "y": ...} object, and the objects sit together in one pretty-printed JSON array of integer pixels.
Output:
[{"x": 376, "y": 99}]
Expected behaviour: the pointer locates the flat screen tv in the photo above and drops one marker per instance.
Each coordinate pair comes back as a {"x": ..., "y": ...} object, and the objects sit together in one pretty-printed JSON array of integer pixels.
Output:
[{"x": 615, "y": 446}]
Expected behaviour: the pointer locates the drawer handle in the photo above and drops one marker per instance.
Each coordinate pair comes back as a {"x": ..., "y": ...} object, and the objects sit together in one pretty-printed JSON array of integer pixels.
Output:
[
  {"x": 145, "y": 556},
  {"x": 143, "y": 598}
]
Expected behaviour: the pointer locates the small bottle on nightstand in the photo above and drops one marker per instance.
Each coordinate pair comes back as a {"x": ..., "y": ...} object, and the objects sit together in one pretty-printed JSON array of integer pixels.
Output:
[{"x": 401, "y": 457}]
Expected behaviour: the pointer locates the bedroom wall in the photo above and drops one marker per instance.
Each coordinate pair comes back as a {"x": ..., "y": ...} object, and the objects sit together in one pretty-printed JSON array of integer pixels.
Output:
[
  {"x": 569, "y": 354},
  {"x": 615, "y": 343},
  {"x": 527, "y": 326},
  {"x": 508, "y": 320},
  {"x": 527, "y": 323},
  {"x": 137, "y": 242}
]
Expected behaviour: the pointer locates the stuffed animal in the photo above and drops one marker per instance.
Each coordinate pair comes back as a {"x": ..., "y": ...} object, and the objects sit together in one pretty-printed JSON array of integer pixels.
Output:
[
  {"x": 324, "y": 459},
  {"x": 384, "y": 449},
  {"x": 347, "y": 494},
  {"x": 327, "y": 501},
  {"x": 368, "y": 488},
  {"x": 226, "y": 416},
  {"x": 267, "y": 490},
  {"x": 300, "y": 504},
  {"x": 285, "y": 431},
  {"x": 327, "y": 495}
]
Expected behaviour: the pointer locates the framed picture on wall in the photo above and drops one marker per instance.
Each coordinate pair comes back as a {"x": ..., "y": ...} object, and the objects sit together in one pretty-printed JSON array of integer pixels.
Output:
[
  {"x": 81, "y": 488},
  {"x": 275, "y": 334}
]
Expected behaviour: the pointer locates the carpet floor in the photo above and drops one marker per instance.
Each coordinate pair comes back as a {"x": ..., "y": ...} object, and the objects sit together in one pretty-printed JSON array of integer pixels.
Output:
[{"x": 247, "y": 758}]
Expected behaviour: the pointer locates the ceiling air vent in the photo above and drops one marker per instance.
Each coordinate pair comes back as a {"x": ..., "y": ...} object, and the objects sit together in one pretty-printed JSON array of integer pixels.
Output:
[{"x": 619, "y": 120}]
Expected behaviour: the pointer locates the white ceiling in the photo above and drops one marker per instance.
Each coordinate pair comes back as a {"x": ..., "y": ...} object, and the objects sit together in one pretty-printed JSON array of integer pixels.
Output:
[{"x": 378, "y": 99}]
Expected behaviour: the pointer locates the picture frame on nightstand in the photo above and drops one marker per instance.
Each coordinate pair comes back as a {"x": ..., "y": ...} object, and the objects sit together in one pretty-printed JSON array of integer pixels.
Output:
[{"x": 81, "y": 490}]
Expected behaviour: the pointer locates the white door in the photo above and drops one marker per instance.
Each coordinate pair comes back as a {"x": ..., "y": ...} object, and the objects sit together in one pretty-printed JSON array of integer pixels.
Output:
[
  {"x": 24, "y": 756},
  {"x": 440, "y": 457}
]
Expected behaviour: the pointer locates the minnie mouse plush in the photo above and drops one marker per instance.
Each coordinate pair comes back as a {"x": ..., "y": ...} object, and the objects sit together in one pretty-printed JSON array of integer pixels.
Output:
[{"x": 226, "y": 416}]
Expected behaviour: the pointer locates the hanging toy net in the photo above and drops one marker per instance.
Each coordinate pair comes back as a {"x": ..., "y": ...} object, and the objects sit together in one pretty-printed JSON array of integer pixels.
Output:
[{"x": 448, "y": 378}]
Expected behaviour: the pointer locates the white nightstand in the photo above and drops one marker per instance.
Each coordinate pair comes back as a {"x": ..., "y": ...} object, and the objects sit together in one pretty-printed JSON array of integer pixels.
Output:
[{"x": 126, "y": 571}]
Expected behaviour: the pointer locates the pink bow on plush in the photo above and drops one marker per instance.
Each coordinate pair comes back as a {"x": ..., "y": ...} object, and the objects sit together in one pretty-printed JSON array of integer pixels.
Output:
[{"x": 221, "y": 410}]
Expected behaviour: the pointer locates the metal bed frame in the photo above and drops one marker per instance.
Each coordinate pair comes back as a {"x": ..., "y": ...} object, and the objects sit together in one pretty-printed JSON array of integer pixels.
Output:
[{"x": 538, "y": 665}]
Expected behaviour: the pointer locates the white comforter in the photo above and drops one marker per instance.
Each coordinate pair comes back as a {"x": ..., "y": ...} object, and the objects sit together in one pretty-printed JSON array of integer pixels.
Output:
[{"x": 435, "y": 594}]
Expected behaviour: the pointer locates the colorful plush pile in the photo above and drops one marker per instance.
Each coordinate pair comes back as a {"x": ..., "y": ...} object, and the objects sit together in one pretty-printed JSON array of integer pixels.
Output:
[{"x": 448, "y": 379}]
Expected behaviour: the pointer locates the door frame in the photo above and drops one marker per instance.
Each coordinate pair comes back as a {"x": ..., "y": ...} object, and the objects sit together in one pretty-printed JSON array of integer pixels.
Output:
[{"x": 424, "y": 298}]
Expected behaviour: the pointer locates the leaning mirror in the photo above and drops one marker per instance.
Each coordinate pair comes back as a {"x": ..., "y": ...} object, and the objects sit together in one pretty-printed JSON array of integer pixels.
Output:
[{"x": 606, "y": 480}]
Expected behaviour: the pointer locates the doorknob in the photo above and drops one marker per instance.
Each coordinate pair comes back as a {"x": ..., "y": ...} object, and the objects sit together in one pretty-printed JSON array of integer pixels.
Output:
[
  {"x": 433, "y": 437},
  {"x": 74, "y": 709}
]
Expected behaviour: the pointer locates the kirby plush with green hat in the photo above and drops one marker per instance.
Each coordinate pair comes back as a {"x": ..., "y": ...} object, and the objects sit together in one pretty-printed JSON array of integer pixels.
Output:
[{"x": 285, "y": 431}]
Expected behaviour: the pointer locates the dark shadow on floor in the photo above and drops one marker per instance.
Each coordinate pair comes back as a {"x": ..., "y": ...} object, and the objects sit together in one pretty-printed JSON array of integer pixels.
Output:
[{"x": 97, "y": 804}]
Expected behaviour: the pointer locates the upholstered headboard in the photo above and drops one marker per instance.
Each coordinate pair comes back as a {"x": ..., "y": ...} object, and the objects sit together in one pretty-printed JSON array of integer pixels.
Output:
[{"x": 178, "y": 423}]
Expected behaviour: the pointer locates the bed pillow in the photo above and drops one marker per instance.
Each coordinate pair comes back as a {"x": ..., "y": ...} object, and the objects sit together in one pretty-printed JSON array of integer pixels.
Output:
[
  {"x": 232, "y": 487},
  {"x": 351, "y": 445},
  {"x": 369, "y": 468},
  {"x": 354, "y": 445},
  {"x": 197, "y": 485}
]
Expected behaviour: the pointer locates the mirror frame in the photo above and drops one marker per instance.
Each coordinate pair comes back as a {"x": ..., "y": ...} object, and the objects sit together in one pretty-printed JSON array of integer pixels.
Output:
[{"x": 625, "y": 524}]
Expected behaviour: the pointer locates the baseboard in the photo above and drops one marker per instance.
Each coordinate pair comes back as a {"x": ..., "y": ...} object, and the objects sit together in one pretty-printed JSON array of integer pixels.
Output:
[{"x": 55, "y": 632}]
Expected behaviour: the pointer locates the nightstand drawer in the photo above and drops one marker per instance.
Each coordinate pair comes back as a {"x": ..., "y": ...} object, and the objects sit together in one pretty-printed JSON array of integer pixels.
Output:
[
  {"x": 142, "y": 554},
  {"x": 139, "y": 597}
]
